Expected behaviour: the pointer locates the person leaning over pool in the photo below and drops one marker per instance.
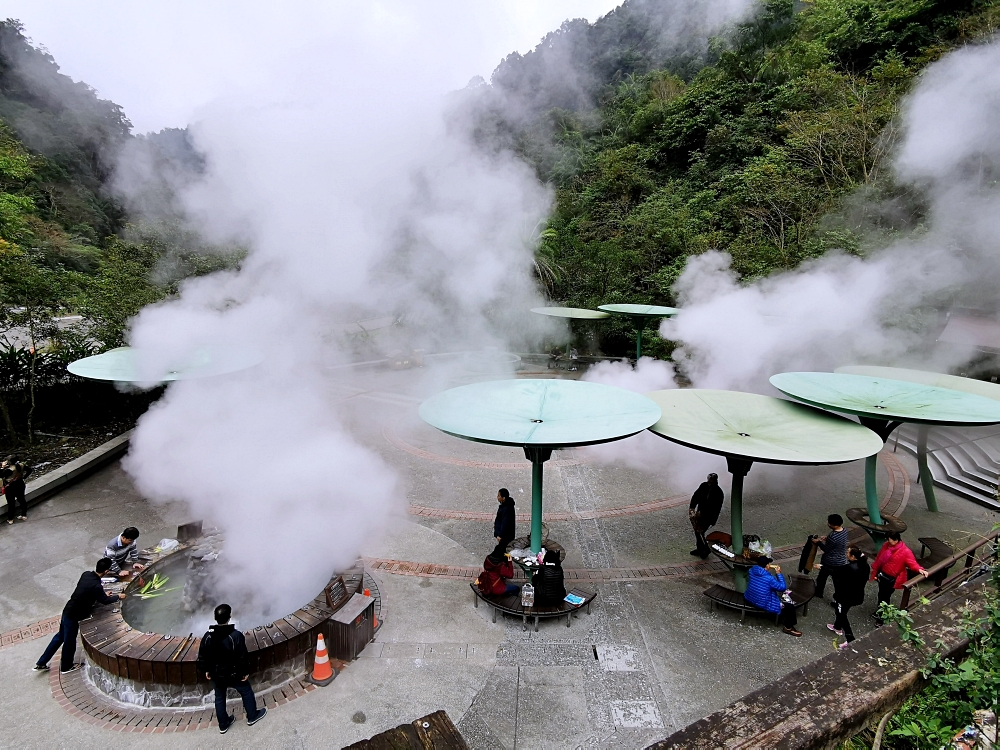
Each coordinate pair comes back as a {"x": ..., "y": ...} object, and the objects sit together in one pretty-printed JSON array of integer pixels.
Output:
[{"x": 764, "y": 590}]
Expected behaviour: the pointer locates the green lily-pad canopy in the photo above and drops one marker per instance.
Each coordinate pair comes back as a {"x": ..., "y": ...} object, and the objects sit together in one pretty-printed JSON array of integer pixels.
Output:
[
  {"x": 748, "y": 427},
  {"x": 883, "y": 404},
  {"x": 938, "y": 380},
  {"x": 887, "y": 399},
  {"x": 574, "y": 313},
  {"x": 539, "y": 415},
  {"x": 130, "y": 365},
  {"x": 642, "y": 313}
]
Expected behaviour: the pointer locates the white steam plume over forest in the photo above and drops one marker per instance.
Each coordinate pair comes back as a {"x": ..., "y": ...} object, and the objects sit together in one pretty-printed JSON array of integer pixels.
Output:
[
  {"x": 845, "y": 310},
  {"x": 353, "y": 179}
]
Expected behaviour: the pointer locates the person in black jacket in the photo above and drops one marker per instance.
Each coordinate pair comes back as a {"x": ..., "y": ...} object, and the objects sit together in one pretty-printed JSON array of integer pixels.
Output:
[
  {"x": 550, "y": 588},
  {"x": 88, "y": 592},
  {"x": 12, "y": 473},
  {"x": 706, "y": 504},
  {"x": 224, "y": 660},
  {"x": 849, "y": 591},
  {"x": 503, "y": 526}
]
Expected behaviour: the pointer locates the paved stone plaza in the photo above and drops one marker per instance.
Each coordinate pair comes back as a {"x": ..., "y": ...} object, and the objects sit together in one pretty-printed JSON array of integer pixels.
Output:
[{"x": 649, "y": 659}]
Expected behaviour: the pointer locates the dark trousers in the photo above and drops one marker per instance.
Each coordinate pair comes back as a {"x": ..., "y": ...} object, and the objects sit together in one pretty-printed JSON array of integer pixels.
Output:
[
  {"x": 842, "y": 623},
  {"x": 14, "y": 492},
  {"x": 787, "y": 616},
  {"x": 886, "y": 587},
  {"x": 702, "y": 547},
  {"x": 827, "y": 571},
  {"x": 242, "y": 687},
  {"x": 66, "y": 637},
  {"x": 501, "y": 549}
]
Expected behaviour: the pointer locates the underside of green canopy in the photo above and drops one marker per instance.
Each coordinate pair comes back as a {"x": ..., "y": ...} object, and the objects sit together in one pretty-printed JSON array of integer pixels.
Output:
[
  {"x": 748, "y": 427},
  {"x": 938, "y": 380},
  {"x": 574, "y": 313},
  {"x": 641, "y": 313},
  {"x": 883, "y": 404},
  {"x": 130, "y": 365},
  {"x": 539, "y": 416}
]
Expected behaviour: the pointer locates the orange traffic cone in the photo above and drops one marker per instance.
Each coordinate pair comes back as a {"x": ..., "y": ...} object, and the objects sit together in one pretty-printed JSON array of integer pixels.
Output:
[
  {"x": 322, "y": 673},
  {"x": 374, "y": 616}
]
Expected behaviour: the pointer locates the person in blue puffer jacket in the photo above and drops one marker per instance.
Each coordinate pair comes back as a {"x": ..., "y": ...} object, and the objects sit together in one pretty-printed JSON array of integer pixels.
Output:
[{"x": 764, "y": 590}]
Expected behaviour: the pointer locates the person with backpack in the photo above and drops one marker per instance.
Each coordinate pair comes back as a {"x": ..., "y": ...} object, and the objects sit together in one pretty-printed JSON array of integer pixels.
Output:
[
  {"x": 549, "y": 581},
  {"x": 497, "y": 570},
  {"x": 13, "y": 474},
  {"x": 849, "y": 591},
  {"x": 891, "y": 566},
  {"x": 223, "y": 659},
  {"x": 88, "y": 592}
]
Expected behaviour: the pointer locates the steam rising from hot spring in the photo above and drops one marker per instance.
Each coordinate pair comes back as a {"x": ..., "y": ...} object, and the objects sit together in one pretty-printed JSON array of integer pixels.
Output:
[
  {"x": 359, "y": 193},
  {"x": 846, "y": 310}
]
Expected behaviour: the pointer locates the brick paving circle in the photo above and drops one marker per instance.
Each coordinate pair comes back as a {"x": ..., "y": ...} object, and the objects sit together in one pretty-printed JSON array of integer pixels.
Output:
[
  {"x": 587, "y": 515},
  {"x": 81, "y": 700}
]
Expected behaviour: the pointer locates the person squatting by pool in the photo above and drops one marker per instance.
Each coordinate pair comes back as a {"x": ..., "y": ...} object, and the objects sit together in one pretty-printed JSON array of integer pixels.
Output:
[{"x": 122, "y": 552}]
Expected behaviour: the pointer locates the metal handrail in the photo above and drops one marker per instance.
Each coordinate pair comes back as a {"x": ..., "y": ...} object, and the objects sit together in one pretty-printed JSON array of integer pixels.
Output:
[{"x": 969, "y": 553}]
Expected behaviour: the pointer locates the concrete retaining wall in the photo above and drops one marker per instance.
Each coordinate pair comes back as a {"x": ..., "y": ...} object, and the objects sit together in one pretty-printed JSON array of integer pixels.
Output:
[
  {"x": 824, "y": 703},
  {"x": 47, "y": 484}
]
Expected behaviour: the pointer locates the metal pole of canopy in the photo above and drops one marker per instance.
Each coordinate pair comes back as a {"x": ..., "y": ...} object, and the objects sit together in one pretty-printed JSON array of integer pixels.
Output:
[
  {"x": 739, "y": 468},
  {"x": 538, "y": 455},
  {"x": 926, "y": 480}
]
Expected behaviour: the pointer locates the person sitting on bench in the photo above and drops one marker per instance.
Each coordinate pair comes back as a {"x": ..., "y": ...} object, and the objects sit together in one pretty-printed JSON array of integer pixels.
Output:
[
  {"x": 497, "y": 569},
  {"x": 766, "y": 590},
  {"x": 122, "y": 552},
  {"x": 550, "y": 588}
]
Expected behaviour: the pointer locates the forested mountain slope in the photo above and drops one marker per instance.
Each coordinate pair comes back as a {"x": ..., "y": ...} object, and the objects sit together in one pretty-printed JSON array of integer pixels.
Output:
[{"x": 775, "y": 150}]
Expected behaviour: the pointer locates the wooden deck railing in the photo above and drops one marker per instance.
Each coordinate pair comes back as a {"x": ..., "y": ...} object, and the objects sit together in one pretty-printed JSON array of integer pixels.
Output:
[{"x": 976, "y": 554}]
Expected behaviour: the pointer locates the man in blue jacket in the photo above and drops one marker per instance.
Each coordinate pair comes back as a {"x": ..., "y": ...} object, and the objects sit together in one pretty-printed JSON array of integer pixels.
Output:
[
  {"x": 88, "y": 592},
  {"x": 764, "y": 589},
  {"x": 503, "y": 526}
]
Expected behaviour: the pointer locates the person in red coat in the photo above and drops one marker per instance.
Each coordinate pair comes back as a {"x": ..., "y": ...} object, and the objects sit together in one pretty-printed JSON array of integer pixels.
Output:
[
  {"x": 497, "y": 570},
  {"x": 891, "y": 566}
]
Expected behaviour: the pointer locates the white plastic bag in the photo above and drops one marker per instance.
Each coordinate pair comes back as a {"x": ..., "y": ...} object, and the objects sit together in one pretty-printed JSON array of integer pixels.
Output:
[{"x": 166, "y": 545}]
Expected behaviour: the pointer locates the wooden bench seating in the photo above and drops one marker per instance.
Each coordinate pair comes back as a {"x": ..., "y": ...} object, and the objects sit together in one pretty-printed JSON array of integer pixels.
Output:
[
  {"x": 510, "y": 604},
  {"x": 803, "y": 589},
  {"x": 936, "y": 550}
]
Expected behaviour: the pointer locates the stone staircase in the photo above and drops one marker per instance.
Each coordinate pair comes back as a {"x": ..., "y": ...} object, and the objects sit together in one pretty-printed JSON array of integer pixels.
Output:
[{"x": 964, "y": 461}]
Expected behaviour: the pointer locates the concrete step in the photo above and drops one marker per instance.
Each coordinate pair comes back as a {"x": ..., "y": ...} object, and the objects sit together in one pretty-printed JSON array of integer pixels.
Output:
[{"x": 966, "y": 463}]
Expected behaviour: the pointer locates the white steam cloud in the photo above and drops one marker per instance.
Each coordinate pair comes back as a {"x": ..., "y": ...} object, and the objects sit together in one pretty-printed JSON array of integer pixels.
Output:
[
  {"x": 845, "y": 310},
  {"x": 353, "y": 179}
]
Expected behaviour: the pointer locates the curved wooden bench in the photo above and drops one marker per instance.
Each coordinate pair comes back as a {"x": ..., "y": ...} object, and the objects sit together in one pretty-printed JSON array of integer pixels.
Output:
[
  {"x": 936, "y": 551},
  {"x": 803, "y": 589},
  {"x": 510, "y": 604}
]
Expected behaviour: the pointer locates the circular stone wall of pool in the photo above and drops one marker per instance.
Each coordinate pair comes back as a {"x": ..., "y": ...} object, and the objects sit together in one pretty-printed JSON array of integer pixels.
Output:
[{"x": 145, "y": 652}]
